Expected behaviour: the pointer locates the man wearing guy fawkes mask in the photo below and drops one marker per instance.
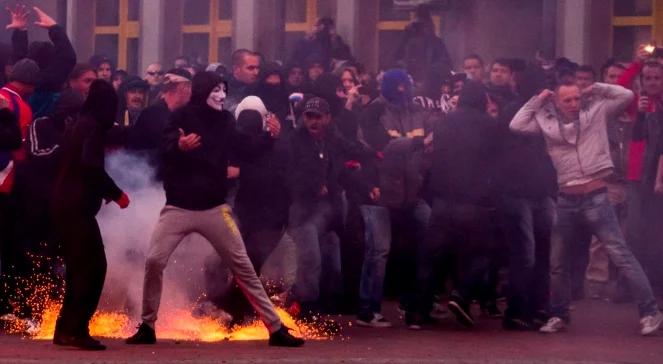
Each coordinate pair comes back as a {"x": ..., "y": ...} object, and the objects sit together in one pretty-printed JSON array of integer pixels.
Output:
[{"x": 197, "y": 143}]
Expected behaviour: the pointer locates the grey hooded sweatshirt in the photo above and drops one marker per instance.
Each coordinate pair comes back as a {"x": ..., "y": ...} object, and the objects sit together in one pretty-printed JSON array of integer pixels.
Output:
[{"x": 579, "y": 150}]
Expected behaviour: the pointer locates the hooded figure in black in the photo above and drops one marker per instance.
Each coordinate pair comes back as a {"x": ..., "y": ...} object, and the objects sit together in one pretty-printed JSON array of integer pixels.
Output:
[
  {"x": 463, "y": 174},
  {"x": 81, "y": 186},
  {"x": 273, "y": 94}
]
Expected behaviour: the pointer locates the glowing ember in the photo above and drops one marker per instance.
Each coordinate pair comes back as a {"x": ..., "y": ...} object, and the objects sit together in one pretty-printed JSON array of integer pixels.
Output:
[
  {"x": 43, "y": 296},
  {"x": 179, "y": 325}
]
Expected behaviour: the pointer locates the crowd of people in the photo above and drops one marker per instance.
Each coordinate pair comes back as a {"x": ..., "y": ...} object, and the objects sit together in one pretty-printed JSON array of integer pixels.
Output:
[{"x": 538, "y": 181}]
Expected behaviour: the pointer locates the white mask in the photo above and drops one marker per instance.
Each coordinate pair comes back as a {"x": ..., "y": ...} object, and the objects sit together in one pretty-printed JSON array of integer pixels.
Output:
[{"x": 217, "y": 97}]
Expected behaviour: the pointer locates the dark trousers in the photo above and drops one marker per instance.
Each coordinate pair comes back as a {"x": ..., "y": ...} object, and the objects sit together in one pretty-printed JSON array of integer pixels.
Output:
[
  {"x": 528, "y": 223},
  {"x": 460, "y": 232},
  {"x": 85, "y": 262}
]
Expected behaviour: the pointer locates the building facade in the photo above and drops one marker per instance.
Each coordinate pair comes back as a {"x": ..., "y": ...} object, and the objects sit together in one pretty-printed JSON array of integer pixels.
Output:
[{"x": 135, "y": 33}]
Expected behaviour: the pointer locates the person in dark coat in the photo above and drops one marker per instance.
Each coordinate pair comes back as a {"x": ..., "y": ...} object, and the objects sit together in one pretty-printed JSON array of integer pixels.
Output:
[
  {"x": 463, "y": 178},
  {"x": 81, "y": 186},
  {"x": 56, "y": 59}
]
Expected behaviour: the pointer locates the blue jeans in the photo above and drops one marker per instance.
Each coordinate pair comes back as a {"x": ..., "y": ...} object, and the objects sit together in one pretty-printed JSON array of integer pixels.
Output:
[
  {"x": 595, "y": 214},
  {"x": 310, "y": 224},
  {"x": 411, "y": 222},
  {"x": 528, "y": 223},
  {"x": 377, "y": 243}
]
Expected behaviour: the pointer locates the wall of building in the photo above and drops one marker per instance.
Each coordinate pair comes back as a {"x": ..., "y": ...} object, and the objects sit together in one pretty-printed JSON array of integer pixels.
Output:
[{"x": 578, "y": 29}]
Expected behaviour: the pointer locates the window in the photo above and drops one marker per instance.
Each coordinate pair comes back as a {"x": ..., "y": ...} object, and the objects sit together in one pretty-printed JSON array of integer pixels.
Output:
[
  {"x": 116, "y": 31},
  {"x": 300, "y": 16},
  {"x": 205, "y": 38},
  {"x": 635, "y": 22},
  {"x": 391, "y": 24}
]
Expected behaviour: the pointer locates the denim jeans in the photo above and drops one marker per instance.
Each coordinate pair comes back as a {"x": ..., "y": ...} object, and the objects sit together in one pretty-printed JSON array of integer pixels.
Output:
[
  {"x": 595, "y": 214},
  {"x": 310, "y": 224},
  {"x": 377, "y": 243},
  {"x": 528, "y": 223},
  {"x": 457, "y": 232}
]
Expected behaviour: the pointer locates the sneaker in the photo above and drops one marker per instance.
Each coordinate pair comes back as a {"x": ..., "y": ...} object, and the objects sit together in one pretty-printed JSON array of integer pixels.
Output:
[
  {"x": 144, "y": 336},
  {"x": 554, "y": 324},
  {"x": 516, "y": 324},
  {"x": 650, "y": 324},
  {"x": 282, "y": 337},
  {"x": 462, "y": 312},
  {"x": 375, "y": 320}
]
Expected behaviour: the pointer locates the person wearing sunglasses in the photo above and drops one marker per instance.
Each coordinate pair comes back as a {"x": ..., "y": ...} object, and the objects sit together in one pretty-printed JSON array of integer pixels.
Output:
[{"x": 154, "y": 76}]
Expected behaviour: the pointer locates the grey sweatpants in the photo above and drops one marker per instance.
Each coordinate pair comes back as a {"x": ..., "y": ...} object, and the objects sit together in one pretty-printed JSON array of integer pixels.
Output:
[{"x": 217, "y": 225}]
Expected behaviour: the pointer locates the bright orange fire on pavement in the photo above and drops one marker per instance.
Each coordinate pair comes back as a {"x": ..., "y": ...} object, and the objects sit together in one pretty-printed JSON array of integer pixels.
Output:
[
  {"x": 179, "y": 324},
  {"x": 44, "y": 297}
]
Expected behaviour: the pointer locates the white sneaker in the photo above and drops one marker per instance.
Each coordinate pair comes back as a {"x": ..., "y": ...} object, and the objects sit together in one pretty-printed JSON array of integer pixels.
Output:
[
  {"x": 649, "y": 324},
  {"x": 554, "y": 324},
  {"x": 378, "y": 321}
]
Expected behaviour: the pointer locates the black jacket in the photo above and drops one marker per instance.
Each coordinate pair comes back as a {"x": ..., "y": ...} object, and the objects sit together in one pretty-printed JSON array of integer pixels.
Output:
[
  {"x": 82, "y": 182},
  {"x": 525, "y": 168},
  {"x": 146, "y": 135},
  {"x": 262, "y": 199},
  {"x": 197, "y": 179},
  {"x": 56, "y": 61},
  {"x": 10, "y": 134},
  {"x": 312, "y": 165},
  {"x": 464, "y": 158}
]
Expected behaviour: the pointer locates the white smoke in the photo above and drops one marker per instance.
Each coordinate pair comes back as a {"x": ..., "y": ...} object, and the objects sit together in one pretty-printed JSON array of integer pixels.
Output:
[{"x": 127, "y": 233}]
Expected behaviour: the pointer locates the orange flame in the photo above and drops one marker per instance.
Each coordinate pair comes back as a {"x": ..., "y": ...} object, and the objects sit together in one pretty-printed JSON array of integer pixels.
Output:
[{"x": 179, "y": 324}]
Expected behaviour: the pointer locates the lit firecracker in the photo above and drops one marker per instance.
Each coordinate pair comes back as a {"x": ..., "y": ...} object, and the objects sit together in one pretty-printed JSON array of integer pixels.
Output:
[{"x": 45, "y": 298}]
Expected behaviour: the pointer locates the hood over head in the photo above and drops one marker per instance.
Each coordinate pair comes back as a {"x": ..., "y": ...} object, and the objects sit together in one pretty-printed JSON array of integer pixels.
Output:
[
  {"x": 202, "y": 85},
  {"x": 391, "y": 81},
  {"x": 101, "y": 103}
]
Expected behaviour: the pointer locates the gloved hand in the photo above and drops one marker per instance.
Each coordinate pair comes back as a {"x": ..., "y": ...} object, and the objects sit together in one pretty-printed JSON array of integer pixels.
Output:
[{"x": 123, "y": 201}]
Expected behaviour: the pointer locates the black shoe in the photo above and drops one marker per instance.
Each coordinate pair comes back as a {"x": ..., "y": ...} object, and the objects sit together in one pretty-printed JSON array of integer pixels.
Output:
[
  {"x": 461, "y": 311},
  {"x": 80, "y": 342},
  {"x": 516, "y": 324},
  {"x": 492, "y": 311},
  {"x": 144, "y": 336},
  {"x": 413, "y": 321},
  {"x": 282, "y": 337}
]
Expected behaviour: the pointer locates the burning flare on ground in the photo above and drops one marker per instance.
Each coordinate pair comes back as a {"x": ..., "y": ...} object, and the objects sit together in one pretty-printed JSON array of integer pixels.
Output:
[{"x": 42, "y": 296}]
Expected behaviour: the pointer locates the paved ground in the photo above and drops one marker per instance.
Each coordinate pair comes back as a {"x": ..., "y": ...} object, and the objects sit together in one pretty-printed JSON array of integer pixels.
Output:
[{"x": 601, "y": 333}]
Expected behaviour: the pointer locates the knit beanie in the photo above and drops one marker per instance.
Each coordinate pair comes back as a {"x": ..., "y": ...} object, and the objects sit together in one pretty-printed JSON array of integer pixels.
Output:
[{"x": 25, "y": 71}]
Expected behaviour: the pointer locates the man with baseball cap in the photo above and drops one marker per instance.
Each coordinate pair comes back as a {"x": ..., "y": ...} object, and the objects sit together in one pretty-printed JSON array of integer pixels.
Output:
[{"x": 316, "y": 158}]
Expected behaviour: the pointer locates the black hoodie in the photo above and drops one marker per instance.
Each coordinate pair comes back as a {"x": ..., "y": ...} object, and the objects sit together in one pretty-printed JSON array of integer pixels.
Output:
[
  {"x": 82, "y": 182},
  {"x": 197, "y": 179},
  {"x": 464, "y": 156}
]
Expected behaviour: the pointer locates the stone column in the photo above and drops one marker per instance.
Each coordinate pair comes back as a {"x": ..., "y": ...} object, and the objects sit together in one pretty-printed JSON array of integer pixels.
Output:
[{"x": 151, "y": 40}]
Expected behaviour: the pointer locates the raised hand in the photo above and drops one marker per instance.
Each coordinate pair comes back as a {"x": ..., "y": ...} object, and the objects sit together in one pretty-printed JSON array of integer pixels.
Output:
[
  {"x": 43, "y": 19},
  {"x": 19, "y": 17}
]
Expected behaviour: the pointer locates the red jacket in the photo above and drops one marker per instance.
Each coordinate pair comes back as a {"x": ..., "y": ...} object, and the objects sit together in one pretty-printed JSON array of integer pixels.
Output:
[
  {"x": 23, "y": 114},
  {"x": 636, "y": 152}
]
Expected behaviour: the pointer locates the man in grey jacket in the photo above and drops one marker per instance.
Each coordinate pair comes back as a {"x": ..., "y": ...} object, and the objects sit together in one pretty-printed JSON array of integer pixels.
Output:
[{"x": 573, "y": 124}]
